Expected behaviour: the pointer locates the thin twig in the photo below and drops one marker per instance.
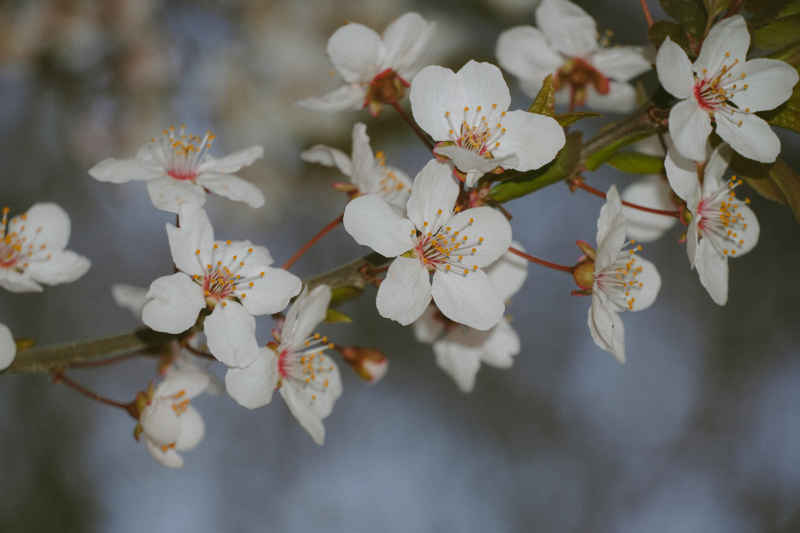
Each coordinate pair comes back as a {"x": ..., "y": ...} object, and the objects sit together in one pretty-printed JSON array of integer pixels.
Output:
[
  {"x": 60, "y": 377},
  {"x": 542, "y": 262},
  {"x": 332, "y": 224},
  {"x": 647, "y": 15},
  {"x": 675, "y": 214},
  {"x": 410, "y": 121}
]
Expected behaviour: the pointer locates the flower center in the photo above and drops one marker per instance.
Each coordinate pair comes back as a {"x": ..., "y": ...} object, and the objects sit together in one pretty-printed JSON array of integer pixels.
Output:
[
  {"x": 477, "y": 131},
  {"x": 304, "y": 365},
  {"x": 221, "y": 279},
  {"x": 720, "y": 221},
  {"x": 445, "y": 248},
  {"x": 579, "y": 74},
  {"x": 713, "y": 90},
  {"x": 619, "y": 280},
  {"x": 17, "y": 248},
  {"x": 388, "y": 183},
  {"x": 183, "y": 153}
]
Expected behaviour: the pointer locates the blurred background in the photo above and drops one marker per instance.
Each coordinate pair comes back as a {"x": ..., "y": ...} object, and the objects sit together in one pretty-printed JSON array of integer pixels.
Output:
[{"x": 699, "y": 431}]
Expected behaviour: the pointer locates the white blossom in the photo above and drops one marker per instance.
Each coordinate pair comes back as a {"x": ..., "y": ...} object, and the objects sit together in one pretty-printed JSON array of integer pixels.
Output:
[
  {"x": 368, "y": 173},
  {"x": 435, "y": 238},
  {"x": 466, "y": 113},
  {"x": 721, "y": 88},
  {"x": 376, "y": 68},
  {"x": 32, "y": 250},
  {"x": 8, "y": 348},
  {"x": 623, "y": 281},
  {"x": 179, "y": 169},
  {"x": 308, "y": 380},
  {"x": 233, "y": 278},
  {"x": 721, "y": 225},
  {"x": 565, "y": 44}
]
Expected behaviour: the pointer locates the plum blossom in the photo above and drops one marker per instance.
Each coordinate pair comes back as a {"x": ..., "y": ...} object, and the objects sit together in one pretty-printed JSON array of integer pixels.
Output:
[
  {"x": 722, "y": 89},
  {"x": 565, "y": 44},
  {"x": 308, "y": 380},
  {"x": 437, "y": 238},
  {"x": 179, "y": 170},
  {"x": 460, "y": 350},
  {"x": 721, "y": 225},
  {"x": 621, "y": 280},
  {"x": 368, "y": 173},
  {"x": 466, "y": 112},
  {"x": 167, "y": 420},
  {"x": 376, "y": 68},
  {"x": 8, "y": 348},
  {"x": 32, "y": 249},
  {"x": 232, "y": 278}
]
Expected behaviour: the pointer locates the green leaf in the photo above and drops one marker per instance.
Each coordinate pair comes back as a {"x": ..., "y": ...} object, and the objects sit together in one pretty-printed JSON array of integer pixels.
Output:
[
  {"x": 340, "y": 295},
  {"x": 792, "y": 8},
  {"x": 716, "y": 7},
  {"x": 637, "y": 163},
  {"x": 788, "y": 114},
  {"x": 776, "y": 182},
  {"x": 779, "y": 33},
  {"x": 525, "y": 183},
  {"x": 689, "y": 13},
  {"x": 790, "y": 54},
  {"x": 605, "y": 153},
  {"x": 333, "y": 316},
  {"x": 661, "y": 29},
  {"x": 568, "y": 118},
  {"x": 545, "y": 101}
]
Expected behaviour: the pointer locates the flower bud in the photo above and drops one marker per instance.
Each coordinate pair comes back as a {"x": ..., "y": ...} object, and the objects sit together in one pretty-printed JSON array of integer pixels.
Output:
[
  {"x": 583, "y": 271},
  {"x": 386, "y": 88},
  {"x": 370, "y": 364}
]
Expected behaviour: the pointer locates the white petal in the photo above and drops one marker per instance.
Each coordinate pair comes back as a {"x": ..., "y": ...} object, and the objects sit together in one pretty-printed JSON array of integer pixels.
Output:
[
  {"x": 749, "y": 236},
  {"x": 472, "y": 163},
  {"x": 715, "y": 170},
  {"x": 405, "y": 39},
  {"x": 525, "y": 52},
  {"x": 535, "y": 140},
  {"x": 45, "y": 223},
  {"x": 192, "y": 429},
  {"x": 435, "y": 91},
  {"x": 232, "y": 187},
  {"x": 63, "y": 266},
  {"x": 620, "y": 98},
  {"x": 302, "y": 411},
  {"x": 571, "y": 30},
  {"x": 8, "y": 348},
  {"x": 398, "y": 197},
  {"x": 651, "y": 285},
  {"x": 712, "y": 268},
  {"x": 160, "y": 422},
  {"x": 488, "y": 224},
  {"x": 169, "y": 458},
  {"x": 674, "y": 69},
  {"x": 606, "y": 327},
  {"x": 356, "y": 51},
  {"x": 129, "y": 297},
  {"x": 729, "y": 36},
  {"x": 609, "y": 214},
  {"x": 621, "y": 63},
  {"x": 13, "y": 281},
  {"x": 468, "y": 299},
  {"x": 252, "y": 386},
  {"x": 405, "y": 292},
  {"x": 651, "y": 191},
  {"x": 434, "y": 190},
  {"x": 325, "y": 155},
  {"x": 346, "y": 97},
  {"x": 233, "y": 162},
  {"x": 270, "y": 293},
  {"x": 195, "y": 233},
  {"x": 124, "y": 170},
  {"x": 484, "y": 86},
  {"x": 692, "y": 237},
  {"x": 169, "y": 194},
  {"x": 306, "y": 313},
  {"x": 374, "y": 223},
  {"x": 428, "y": 327},
  {"x": 319, "y": 398},
  {"x": 508, "y": 273},
  {"x": 682, "y": 176},
  {"x": 501, "y": 346},
  {"x": 231, "y": 334},
  {"x": 459, "y": 357},
  {"x": 750, "y": 135},
  {"x": 364, "y": 171},
  {"x": 689, "y": 127},
  {"x": 769, "y": 82},
  {"x": 173, "y": 303}
]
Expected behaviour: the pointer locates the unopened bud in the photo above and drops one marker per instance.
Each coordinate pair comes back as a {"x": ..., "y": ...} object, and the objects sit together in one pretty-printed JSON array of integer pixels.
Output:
[
  {"x": 370, "y": 364},
  {"x": 583, "y": 271}
]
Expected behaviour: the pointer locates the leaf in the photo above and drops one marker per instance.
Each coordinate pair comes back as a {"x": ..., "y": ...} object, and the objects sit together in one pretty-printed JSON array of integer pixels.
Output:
[
  {"x": 661, "y": 29},
  {"x": 766, "y": 188},
  {"x": 545, "y": 101},
  {"x": 637, "y": 163},
  {"x": 342, "y": 294},
  {"x": 716, "y": 7},
  {"x": 787, "y": 115},
  {"x": 689, "y": 13},
  {"x": 605, "y": 153},
  {"x": 776, "y": 182},
  {"x": 525, "y": 183},
  {"x": 792, "y": 8},
  {"x": 569, "y": 118},
  {"x": 333, "y": 316},
  {"x": 789, "y": 54},
  {"x": 779, "y": 33}
]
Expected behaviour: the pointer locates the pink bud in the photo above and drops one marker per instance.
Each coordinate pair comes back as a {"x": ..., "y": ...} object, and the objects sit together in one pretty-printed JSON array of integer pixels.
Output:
[{"x": 370, "y": 364}]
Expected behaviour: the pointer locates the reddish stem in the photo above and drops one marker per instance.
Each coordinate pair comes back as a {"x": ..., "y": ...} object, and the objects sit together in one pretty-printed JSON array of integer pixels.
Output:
[
  {"x": 647, "y": 16},
  {"x": 601, "y": 194},
  {"x": 332, "y": 224},
  {"x": 421, "y": 134},
  {"x": 199, "y": 353},
  {"x": 532, "y": 259},
  {"x": 59, "y": 377}
]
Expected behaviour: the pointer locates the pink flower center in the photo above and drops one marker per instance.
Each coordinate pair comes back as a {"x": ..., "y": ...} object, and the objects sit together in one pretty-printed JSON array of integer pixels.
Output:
[
  {"x": 446, "y": 248},
  {"x": 619, "y": 280},
  {"x": 714, "y": 91},
  {"x": 305, "y": 366},
  {"x": 579, "y": 74},
  {"x": 17, "y": 248},
  {"x": 221, "y": 279},
  {"x": 720, "y": 221},
  {"x": 477, "y": 130},
  {"x": 183, "y": 153}
]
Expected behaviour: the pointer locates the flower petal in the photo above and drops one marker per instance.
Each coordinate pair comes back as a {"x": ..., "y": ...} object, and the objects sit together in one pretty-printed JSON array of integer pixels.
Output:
[
  {"x": 715, "y": 170},
  {"x": 303, "y": 413},
  {"x": 46, "y": 223},
  {"x": 468, "y": 299},
  {"x": 747, "y": 238},
  {"x": 650, "y": 281},
  {"x": 329, "y": 157},
  {"x": 129, "y": 297},
  {"x": 484, "y": 86},
  {"x": 405, "y": 39},
  {"x": 8, "y": 348},
  {"x": 364, "y": 173},
  {"x": 428, "y": 327},
  {"x": 769, "y": 84},
  {"x": 63, "y": 266},
  {"x": 692, "y": 237},
  {"x": 621, "y": 63},
  {"x": 232, "y": 162},
  {"x": 682, "y": 176},
  {"x": 357, "y": 52},
  {"x": 489, "y": 235},
  {"x": 750, "y": 135},
  {"x": 405, "y": 292},
  {"x": 15, "y": 282},
  {"x": 525, "y": 52},
  {"x": 459, "y": 357},
  {"x": 727, "y": 41},
  {"x": 346, "y": 97},
  {"x": 195, "y": 233},
  {"x": 674, "y": 69},
  {"x": 570, "y": 29},
  {"x": 270, "y": 293},
  {"x": 169, "y": 194},
  {"x": 471, "y": 163},
  {"x": 651, "y": 191},
  {"x": 252, "y": 386},
  {"x": 501, "y": 346},
  {"x": 508, "y": 273},
  {"x": 123, "y": 170},
  {"x": 689, "y": 127},
  {"x": 436, "y": 91},
  {"x": 192, "y": 429},
  {"x": 305, "y": 314},
  {"x": 173, "y": 303},
  {"x": 160, "y": 422},
  {"x": 712, "y": 268},
  {"x": 232, "y": 187},
  {"x": 169, "y": 458},
  {"x": 620, "y": 98},
  {"x": 374, "y": 223},
  {"x": 231, "y": 334},
  {"x": 606, "y": 327},
  {"x": 434, "y": 190},
  {"x": 609, "y": 214},
  {"x": 535, "y": 140}
]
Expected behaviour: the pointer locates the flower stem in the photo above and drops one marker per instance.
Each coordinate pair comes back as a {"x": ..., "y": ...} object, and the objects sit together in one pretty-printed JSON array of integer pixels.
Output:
[
  {"x": 542, "y": 262},
  {"x": 104, "y": 362},
  {"x": 332, "y": 224},
  {"x": 60, "y": 377},
  {"x": 421, "y": 134},
  {"x": 199, "y": 353},
  {"x": 667, "y": 213},
  {"x": 647, "y": 16}
]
